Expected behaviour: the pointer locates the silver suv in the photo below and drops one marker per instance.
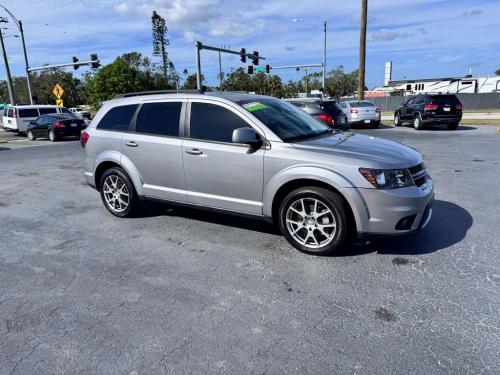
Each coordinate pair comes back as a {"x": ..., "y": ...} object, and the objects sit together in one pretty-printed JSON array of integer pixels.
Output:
[{"x": 258, "y": 156}]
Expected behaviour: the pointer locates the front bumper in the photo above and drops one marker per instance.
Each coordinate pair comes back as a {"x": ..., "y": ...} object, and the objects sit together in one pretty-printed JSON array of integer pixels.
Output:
[{"x": 380, "y": 212}]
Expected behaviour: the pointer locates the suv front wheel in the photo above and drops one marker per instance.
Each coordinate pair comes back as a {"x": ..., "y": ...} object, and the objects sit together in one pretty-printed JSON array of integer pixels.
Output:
[
  {"x": 118, "y": 193},
  {"x": 313, "y": 220}
]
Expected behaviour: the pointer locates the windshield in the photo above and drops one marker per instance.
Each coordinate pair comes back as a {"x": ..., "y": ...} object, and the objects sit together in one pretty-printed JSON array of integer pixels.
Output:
[
  {"x": 284, "y": 119},
  {"x": 361, "y": 104}
]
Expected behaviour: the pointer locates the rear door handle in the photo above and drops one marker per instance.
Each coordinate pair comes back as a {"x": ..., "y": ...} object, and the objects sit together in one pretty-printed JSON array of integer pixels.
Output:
[
  {"x": 131, "y": 144},
  {"x": 194, "y": 151}
]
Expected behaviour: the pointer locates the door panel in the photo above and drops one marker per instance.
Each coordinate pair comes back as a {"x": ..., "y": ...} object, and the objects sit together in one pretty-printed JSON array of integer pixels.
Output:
[
  {"x": 219, "y": 173},
  {"x": 159, "y": 162},
  {"x": 158, "y": 157},
  {"x": 224, "y": 176}
]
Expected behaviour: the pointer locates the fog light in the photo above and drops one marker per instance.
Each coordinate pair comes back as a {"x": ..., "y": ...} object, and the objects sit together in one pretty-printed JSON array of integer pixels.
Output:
[{"x": 406, "y": 222}]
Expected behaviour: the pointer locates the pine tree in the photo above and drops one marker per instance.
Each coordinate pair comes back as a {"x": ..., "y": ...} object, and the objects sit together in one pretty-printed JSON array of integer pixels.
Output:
[{"x": 160, "y": 42}]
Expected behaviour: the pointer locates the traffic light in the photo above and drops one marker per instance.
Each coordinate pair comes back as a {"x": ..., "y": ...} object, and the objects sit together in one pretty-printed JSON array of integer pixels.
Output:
[
  {"x": 268, "y": 68},
  {"x": 255, "y": 59},
  {"x": 95, "y": 61},
  {"x": 250, "y": 69},
  {"x": 75, "y": 60},
  {"x": 243, "y": 55}
]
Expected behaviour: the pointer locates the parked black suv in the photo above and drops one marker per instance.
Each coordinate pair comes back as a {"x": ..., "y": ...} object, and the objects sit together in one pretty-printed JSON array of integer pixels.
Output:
[{"x": 429, "y": 109}]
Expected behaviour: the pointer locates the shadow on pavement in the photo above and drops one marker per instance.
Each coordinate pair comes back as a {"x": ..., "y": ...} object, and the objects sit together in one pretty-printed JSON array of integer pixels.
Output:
[{"x": 449, "y": 225}]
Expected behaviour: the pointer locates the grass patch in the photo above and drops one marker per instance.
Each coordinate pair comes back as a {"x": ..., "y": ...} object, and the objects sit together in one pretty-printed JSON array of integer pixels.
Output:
[{"x": 480, "y": 122}]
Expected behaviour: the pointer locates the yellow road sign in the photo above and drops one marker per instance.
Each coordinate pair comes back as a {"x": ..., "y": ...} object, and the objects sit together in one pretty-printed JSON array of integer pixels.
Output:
[
  {"x": 58, "y": 91},
  {"x": 59, "y": 103}
]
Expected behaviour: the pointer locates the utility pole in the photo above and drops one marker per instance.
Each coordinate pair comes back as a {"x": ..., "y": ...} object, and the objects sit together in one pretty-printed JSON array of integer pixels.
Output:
[
  {"x": 10, "y": 87},
  {"x": 324, "y": 58},
  {"x": 220, "y": 72},
  {"x": 362, "y": 49},
  {"x": 19, "y": 25},
  {"x": 199, "y": 46}
]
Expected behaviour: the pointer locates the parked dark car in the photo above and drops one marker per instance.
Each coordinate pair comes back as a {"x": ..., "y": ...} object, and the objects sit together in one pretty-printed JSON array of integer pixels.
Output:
[
  {"x": 427, "y": 109},
  {"x": 55, "y": 126},
  {"x": 326, "y": 111}
]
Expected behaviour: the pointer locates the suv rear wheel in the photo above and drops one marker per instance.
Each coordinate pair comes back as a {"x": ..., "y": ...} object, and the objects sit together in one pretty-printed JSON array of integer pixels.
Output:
[
  {"x": 118, "y": 193},
  {"x": 417, "y": 122},
  {"x": 313, "y": 220}
]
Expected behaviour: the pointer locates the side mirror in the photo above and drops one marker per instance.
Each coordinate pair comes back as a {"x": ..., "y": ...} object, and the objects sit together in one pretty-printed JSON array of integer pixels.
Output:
[{"x": 247, "y": 136}]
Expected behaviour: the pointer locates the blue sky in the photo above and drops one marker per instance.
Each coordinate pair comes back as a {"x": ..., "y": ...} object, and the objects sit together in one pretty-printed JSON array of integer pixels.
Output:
[{"x": 423, "y": 38}]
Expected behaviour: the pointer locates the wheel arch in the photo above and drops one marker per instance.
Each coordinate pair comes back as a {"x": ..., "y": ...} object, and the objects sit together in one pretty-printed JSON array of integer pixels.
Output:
[
  {"x": 115, "y": 159},
  {"x": 294, "y": 184}
]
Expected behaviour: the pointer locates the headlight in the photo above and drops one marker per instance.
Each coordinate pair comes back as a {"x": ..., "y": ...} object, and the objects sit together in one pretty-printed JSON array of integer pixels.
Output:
[{"x": 387, "y": 178}]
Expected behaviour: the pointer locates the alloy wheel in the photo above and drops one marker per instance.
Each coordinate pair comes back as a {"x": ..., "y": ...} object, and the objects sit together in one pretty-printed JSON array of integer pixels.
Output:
[
  {"x": 116, "y": 193},
  {"x": 311, "y": 223}
]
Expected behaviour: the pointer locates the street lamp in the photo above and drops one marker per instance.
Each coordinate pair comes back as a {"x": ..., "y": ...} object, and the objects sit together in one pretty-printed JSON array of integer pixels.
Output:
[
  {"x": 19, "y": 25},
  {"x": 295, "y": 20}
]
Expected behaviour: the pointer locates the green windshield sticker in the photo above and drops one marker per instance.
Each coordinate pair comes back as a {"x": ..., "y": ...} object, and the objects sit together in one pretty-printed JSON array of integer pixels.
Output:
[{"x": 254, "y": 106}]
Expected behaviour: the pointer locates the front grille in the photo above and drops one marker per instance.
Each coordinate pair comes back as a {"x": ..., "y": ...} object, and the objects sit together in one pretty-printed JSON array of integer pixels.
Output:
[{"x": 418, "y": 174}]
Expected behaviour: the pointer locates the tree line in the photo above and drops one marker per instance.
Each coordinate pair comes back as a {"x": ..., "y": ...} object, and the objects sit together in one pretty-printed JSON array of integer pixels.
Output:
[{"x": 133, "y": 72}]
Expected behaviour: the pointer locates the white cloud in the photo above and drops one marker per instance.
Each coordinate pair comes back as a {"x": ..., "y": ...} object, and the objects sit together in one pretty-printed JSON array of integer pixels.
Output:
[
  {"x": 385, "y": 35},
  {"x": 473, "y": 12}
]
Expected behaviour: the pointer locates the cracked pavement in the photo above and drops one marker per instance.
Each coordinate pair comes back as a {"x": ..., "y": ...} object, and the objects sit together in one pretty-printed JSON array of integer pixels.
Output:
[{"x": 178, "y": 291}]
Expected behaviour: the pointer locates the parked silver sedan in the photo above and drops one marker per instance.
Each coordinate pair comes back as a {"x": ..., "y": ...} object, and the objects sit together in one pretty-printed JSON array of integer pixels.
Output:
[{"x": 361, "y": 112}]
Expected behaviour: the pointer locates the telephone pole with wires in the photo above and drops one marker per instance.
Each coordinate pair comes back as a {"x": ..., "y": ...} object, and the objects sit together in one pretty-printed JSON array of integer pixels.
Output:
[
  {"x": 10, "y": 86},
  {"x": 19, "y": 25}
]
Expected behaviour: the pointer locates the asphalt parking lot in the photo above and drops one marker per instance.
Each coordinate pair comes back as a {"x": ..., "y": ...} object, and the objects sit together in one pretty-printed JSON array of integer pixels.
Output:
[{"x": 183, "y": 291}]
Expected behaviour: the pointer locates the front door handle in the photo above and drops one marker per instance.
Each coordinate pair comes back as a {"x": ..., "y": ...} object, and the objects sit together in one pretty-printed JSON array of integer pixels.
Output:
[
  {"x": 194, "y": 151},
  {"x": 131, "y": 144}
]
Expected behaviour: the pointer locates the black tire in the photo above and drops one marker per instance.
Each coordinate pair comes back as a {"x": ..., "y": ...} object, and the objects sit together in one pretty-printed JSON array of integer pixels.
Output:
[
  {"x": 30, "y": 136},
  {"x": 417, "y": 122},
  {"x": 375, "y": 124},
  {"x": 52, "y": 136},
  {"x": 337, "y": 208},
  {"x": 133, "y": 202},
  {"x": 397, "y": 119},
  {"x": 453, "y": 125}
]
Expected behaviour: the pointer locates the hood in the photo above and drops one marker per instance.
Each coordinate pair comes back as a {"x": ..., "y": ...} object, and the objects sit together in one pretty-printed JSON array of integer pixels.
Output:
[{"x": 377, "y": 152}]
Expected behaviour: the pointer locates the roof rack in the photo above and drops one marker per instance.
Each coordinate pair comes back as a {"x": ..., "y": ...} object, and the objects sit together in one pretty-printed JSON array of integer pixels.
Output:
[{"x": 156, "y": 92}]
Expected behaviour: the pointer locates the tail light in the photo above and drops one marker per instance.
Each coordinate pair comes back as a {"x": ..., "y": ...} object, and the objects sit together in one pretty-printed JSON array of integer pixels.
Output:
[
  {"x": 459, "y": 106},
  {"x": 327, "y": 119},
  {"x": 14, "y": 113},
  {"x": 84, "y": 138},
  {"x": 352, "y": 110},
  {"x": 431, "y": 107},
  {"x": 59, "y": 124}
]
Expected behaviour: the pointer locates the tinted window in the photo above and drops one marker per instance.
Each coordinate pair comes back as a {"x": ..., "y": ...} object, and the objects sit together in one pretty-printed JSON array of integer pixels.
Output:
[
  {"x": 444, "y": 99},
  {"x": 5, "y": 111},
  {"x": 285, "y": 120},
  {"x": 117, "y": 118},
  {"x": 213, "y": 122},
  {"x": 159, "y": 118},
  {"x": 44, "y": 111},
  {"x": 28, "y": 112},
  {"x": 65, "y": 110},
  {"x": 332, "y": 107},
  {"x": 11, "y": 112},
  {"x": 361, "y": 104},
  {"x": 314, "y": 109}
]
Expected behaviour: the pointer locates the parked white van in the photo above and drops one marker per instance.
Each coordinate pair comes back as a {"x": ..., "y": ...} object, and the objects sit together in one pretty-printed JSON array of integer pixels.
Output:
[{"x": 18, "y": 117}]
